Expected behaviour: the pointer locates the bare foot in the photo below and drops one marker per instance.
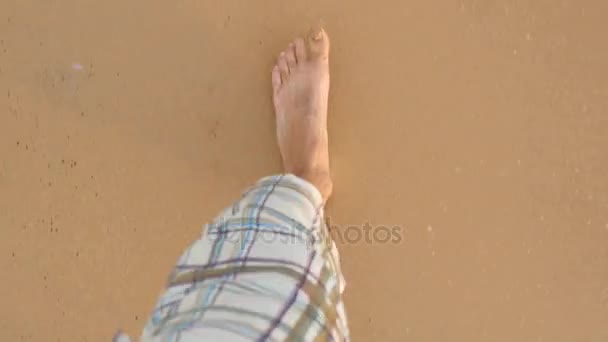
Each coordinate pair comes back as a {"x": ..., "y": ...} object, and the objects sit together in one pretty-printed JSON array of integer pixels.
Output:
[{"x": 300, "y": 82}]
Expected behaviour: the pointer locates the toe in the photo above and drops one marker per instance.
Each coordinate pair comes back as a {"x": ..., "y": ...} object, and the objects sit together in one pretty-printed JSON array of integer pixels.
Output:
[
  {"x": 319, "y": 44},
  {"x": 290, "y": 56},
  {"x": 300, "y": 47},
  {"x": 283, "y": 68},
  {"x": 276, "y": 79}
]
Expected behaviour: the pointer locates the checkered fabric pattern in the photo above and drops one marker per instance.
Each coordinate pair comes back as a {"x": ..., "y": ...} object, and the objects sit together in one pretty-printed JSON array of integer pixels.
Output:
[{"x": 265, "y": 269}]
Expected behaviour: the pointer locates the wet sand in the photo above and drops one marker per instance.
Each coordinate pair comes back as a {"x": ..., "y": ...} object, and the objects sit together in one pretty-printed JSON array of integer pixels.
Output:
[{"x": 479, "y": 128}]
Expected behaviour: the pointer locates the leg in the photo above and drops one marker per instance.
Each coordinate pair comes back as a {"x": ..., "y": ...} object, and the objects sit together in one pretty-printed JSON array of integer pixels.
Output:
[{"x": 266, "y": 268}]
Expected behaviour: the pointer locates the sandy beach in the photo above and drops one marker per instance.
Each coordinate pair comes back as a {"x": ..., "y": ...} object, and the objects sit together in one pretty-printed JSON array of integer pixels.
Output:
[{"x": 479, "y": 128}]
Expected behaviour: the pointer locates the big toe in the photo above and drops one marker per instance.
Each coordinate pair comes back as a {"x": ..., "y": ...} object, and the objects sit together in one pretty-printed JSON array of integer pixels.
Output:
[{"x": 318, "y": 42}]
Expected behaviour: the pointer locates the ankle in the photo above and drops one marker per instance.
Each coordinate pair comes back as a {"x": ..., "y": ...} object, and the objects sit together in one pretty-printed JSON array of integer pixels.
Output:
[{"x": 321, "y": 179}]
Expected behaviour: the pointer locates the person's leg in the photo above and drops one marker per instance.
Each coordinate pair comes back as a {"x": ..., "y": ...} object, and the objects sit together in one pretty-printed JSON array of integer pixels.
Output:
[{"x": 266, "y": 268}]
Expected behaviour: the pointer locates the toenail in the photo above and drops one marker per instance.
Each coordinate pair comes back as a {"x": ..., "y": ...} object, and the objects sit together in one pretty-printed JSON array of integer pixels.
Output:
[{"x": 318, "y": 35}]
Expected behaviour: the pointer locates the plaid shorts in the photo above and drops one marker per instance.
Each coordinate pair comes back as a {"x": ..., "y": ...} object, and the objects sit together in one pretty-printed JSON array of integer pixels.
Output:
[{"x": 264, "y": 269}]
